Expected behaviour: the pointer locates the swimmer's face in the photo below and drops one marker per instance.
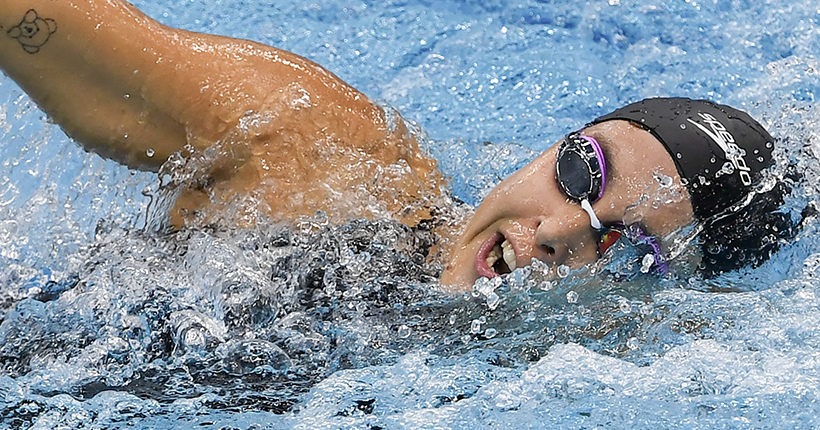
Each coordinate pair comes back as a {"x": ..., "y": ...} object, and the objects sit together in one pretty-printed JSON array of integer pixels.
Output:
[{"x": 530, "y": 211}]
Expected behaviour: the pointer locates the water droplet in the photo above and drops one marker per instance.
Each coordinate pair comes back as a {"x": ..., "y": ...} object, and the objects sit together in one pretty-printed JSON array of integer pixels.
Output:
[
  {"x": 679, "y": 155},
  {"x": 572, "y": 297},
  {"x": 683, "y": 126},
  {"x": 126, "y": 96},
  {"x": 624, "y": 306},
  {"x": 193, "y": 338},
  {"x": 563, "y": 271},
  {"x": 329, "y": 279},
  {"x": 493, "y": 300},
  {"x": 647, "y": 262},
  {"x": 632, "y": 343},
  {"x": 149, "y": 152},
  {"x": 490, "y": 333},
  {"x": 404, "y": 331},
  {"x": 475, "y": 326},
  {"x": 452, "y": 319},
  {"x": 664, "y": 180}
]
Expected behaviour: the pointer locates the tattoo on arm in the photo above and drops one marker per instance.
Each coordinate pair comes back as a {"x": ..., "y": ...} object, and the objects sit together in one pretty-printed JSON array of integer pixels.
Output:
[{"x": 33, "y": 32}]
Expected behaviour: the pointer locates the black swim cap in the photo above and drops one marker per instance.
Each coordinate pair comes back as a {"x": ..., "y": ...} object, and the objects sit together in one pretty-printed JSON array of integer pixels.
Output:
[{"x": 719, "y": 151}]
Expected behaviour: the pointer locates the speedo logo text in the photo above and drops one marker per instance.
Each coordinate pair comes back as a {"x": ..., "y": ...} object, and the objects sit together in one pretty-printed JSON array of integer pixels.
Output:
[{"x": 726, "y": 142}]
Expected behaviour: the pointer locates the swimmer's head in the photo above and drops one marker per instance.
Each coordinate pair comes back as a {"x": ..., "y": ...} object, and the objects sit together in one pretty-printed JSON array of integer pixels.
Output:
[
  {"x": 720, "y": 154},
  {"x": 714, "y": 157}
]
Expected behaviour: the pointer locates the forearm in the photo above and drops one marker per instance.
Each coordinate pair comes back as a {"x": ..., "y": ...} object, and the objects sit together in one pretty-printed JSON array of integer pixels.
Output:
[
  {"x": 81, "y": 61},
  {"x": 124, "y": 85}
]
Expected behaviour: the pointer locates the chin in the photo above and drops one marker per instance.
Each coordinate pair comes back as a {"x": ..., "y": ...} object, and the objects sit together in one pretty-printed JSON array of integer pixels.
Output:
[{"x": 459, "y": 274}]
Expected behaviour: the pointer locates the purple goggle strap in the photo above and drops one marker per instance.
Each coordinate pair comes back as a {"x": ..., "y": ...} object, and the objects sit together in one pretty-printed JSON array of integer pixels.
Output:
[
  {"x": 599, "y": 155},
  {"x": 636, "y": 235}
]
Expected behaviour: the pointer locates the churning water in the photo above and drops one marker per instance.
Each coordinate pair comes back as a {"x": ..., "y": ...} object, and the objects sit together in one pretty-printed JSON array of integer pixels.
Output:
[{"x": 108, "y": 324}]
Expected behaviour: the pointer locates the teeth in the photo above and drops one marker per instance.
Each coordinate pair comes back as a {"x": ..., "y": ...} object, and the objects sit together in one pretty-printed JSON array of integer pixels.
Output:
[
  {"x": 494, "y": 255},
  {"x": 509, "y": 254}
]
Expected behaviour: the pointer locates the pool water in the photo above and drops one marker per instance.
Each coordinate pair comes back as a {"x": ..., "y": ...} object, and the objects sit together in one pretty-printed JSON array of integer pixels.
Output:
[{"x": 107, "y": 323}]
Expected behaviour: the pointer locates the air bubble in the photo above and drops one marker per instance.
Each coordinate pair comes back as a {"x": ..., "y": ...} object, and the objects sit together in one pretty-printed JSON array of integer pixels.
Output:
[
  {"x": 149, "y": 152},
  {"x": 490, "y": 333},
  {"x": 572, "y": 297},
  {"x": 683, "y": 126},
  {"x": 404, "y": 331}
]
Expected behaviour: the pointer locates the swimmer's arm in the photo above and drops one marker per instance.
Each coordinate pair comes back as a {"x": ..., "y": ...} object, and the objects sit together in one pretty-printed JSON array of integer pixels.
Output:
[
  {"x": 126, "y": 86},
  {"x": 76, "y": 61}
]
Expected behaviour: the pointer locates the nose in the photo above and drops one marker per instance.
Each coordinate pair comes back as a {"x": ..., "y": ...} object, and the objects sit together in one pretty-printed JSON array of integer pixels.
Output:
[{"x": 565, "y": 240}]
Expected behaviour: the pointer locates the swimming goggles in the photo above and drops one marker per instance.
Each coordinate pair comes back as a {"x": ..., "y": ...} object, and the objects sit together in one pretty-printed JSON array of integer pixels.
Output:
[{"x": 580, "y": 169}]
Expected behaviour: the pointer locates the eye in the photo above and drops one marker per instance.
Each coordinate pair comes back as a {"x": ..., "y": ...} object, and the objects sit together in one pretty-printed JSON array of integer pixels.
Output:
[{"x": 608, "y": 239}]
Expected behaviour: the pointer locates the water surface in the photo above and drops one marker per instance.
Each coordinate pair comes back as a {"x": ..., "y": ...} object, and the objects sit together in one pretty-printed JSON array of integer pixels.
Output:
[{"x": 107, "y": 323}]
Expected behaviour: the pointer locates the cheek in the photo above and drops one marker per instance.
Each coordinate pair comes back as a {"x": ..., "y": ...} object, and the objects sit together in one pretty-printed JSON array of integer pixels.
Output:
[
  {"x": 526, "y": 186},
  {"x": 661, "y": 209},
  {"x": 669, "y": 218}
]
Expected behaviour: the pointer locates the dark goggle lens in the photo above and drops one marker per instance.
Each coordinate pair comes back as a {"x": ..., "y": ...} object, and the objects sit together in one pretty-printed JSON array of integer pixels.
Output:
[
  {"x": 574, "y": 175},
  {"x": 578, "y": 169}
]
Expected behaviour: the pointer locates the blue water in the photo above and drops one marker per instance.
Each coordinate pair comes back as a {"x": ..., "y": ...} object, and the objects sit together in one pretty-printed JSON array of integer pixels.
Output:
[{"x": 107, "y": 323}]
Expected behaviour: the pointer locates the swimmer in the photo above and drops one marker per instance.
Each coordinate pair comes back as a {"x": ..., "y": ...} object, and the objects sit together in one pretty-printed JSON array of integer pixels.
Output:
[{"x": 299, "y": 140}]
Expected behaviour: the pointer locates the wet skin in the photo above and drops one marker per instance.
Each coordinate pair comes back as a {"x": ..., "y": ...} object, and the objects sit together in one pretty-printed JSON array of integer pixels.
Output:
[
  {"x": 529, "y": 210},
  {"x": 136, "y": 91}
]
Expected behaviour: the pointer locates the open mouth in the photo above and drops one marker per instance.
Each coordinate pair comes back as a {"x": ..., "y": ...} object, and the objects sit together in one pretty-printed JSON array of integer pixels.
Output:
[{"x": 496, "y": 257}]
